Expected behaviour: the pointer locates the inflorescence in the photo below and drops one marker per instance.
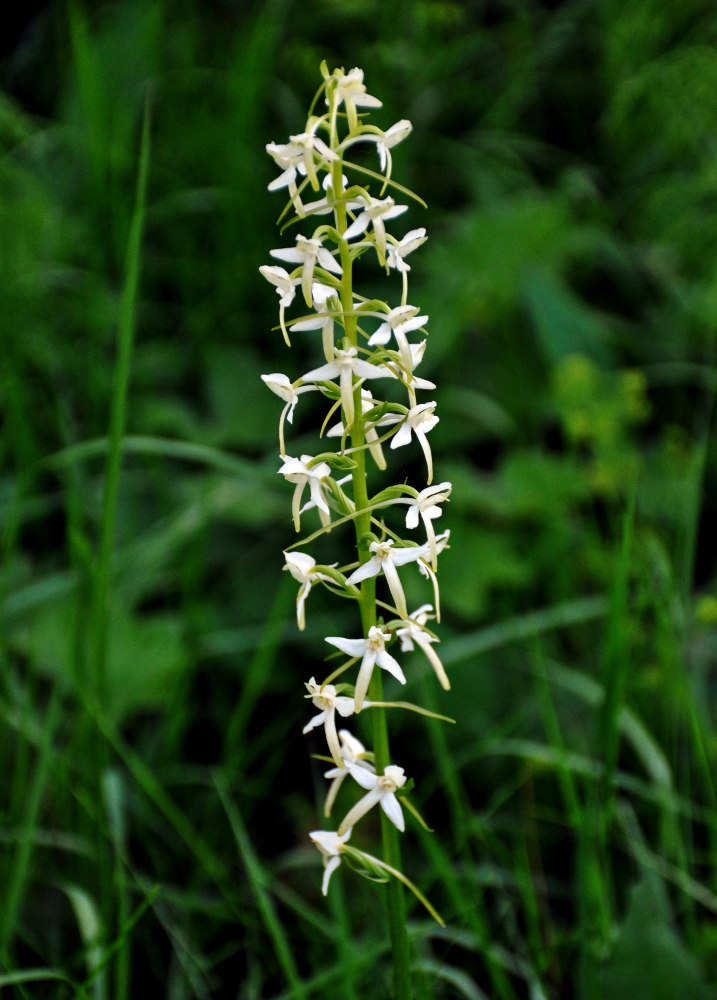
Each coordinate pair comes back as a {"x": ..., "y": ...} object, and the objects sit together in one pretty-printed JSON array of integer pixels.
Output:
[{"x": 371, "y": 350}]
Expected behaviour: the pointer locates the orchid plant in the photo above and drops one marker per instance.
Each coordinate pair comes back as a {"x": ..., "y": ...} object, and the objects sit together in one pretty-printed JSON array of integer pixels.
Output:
[{"x": 344, "y": 210}]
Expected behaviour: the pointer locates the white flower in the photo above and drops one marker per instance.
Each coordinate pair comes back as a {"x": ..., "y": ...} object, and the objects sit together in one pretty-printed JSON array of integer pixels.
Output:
[
  {"x": 285, "y": 288},
  {"x": 331, "y": 845},
  {"x": 303, "y": 568},
  {"x": 375, "y": 213},
  {"x": 286, "y": 390},
  {"x": 353, "y": 752},
  {"x": 297, "y": 471},
  {"x": 327, "y": 306},
  {"x": 419, "y": 421},
  {"x": 373, "y": 651},
  {"x": 425, "y": 506},
  {"x": 289, "y": 392},
  {"x": 391, "y": 137},
  {"x": 290, "y": 158},
  {"x": 385, "y": 141},
  {"x": 350, "y": 87},
  {"x": 345, "y": 365},
  {"x": 381, "y": 789},
  {"x": 351, "y": 91},
  {"x": 310, "y": 144},
  {"x": 417, "y": 352},
  {"x": 385, "y": 558},
  {"x": 409, "y": 379},
  {"x": 398, "y": 251},
  {"x": 372, "y": 438},
  {"x": 285, "y": 285},
  {"x": 308, "y": 253},
  {"x": 330, "y": 703},
  {"x": 298, "y": 157},
  {"x": 399, "y": 322},
  {"x": 412, "y": 631}
]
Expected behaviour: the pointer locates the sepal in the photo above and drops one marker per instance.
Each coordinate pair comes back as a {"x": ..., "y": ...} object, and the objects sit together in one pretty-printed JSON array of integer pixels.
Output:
[
  {"x": 365, "y": 865},
  {"x": 411, "y": 708},
  {"x": 362, "y": 857},
  {"x": 392, "y": 493},
  {"x": 416, "y": 815}
]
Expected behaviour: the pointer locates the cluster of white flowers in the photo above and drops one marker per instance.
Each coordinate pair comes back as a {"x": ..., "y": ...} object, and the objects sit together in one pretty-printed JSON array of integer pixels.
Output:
[{"x": 362, "y": 340}]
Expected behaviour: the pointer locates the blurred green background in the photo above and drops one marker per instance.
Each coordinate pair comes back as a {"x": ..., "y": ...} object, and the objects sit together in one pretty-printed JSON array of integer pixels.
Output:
[{"x": 157, "y": 789}]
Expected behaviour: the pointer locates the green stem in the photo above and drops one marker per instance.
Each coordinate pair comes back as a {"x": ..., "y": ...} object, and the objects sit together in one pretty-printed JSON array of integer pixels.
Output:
[
  {"x": 395, "y": 898},
  {"x": 395, "y": 902}
]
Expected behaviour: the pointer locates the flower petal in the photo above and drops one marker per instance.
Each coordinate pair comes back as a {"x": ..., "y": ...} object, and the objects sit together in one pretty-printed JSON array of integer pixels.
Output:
[
  {"x": 364, "y": 677},
  {"x": 385, "y": 660},
  {"x": 331, "y": 865},
  {"x": 313, "y": 723},
  {"x": 367, "y": 779},
  {"x": 364, "y": 572},
  {"x": 392, "y": 808},
  {"x": 352, "y": 647},
  {"x": 345, "y": 706}
]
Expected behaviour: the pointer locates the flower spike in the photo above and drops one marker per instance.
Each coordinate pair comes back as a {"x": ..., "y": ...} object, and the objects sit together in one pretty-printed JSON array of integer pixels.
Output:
[{"x": 364, "y": 369}]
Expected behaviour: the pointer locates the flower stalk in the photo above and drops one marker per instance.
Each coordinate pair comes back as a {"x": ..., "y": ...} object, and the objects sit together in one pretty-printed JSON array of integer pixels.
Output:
[{"x": 361, "y": 340}]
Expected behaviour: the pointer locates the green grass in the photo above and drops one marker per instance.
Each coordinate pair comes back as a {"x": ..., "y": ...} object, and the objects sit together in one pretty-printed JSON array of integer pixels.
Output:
[{"x": 158, "y": 791}]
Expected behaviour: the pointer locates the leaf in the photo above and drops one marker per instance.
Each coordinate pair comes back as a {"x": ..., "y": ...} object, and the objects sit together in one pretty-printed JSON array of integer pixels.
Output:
[
  {"x": 564, "y": 324},
  {"x": 146, "y": 658},
  {"x": 650, "y": 960}
]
